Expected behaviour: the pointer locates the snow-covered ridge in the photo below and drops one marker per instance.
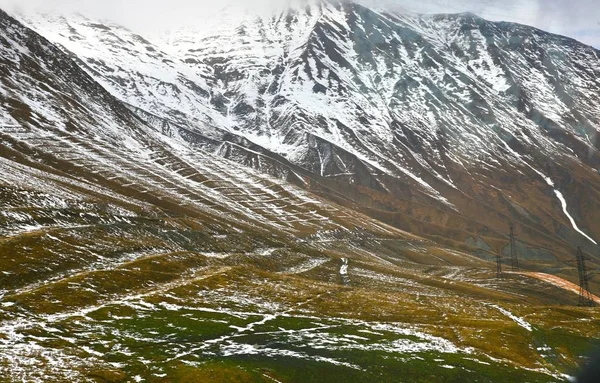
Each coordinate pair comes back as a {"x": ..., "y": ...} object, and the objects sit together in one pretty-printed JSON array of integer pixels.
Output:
[
  {"x": 447, "y": 73},
  {"x": 132, "y": 68},
  {"x": 421, "y": 107},
  {"x": 271, "y": 76},
  {"x": 113, "y": 215}
]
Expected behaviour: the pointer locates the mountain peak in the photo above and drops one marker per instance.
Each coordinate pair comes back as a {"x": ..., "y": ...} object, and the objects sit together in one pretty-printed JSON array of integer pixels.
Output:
[{"x": 241, "y": 198}]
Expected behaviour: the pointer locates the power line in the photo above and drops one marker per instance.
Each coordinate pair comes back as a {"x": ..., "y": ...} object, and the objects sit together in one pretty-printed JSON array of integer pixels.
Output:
[
  {"x": 585, "y": 297},
  {"x": 514, "y": 260},
  {"x": 498, "y": 265}
]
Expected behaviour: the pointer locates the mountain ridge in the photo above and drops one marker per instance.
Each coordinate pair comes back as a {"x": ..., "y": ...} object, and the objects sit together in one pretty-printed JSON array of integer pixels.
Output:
[
  {"x": 425, "y": 154},
  {"x": 151, "y": 245}
]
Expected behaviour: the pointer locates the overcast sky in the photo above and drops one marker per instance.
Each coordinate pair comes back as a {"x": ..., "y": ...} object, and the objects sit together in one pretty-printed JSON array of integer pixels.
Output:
[{"x": 575, "y": 18}]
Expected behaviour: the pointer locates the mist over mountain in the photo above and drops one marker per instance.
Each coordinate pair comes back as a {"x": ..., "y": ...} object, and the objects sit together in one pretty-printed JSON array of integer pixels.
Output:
[{"x": 578, "y": 20}]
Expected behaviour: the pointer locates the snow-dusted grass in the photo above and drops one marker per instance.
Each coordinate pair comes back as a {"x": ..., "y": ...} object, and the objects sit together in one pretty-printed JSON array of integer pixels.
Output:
[{"x": 519, "y": 321}]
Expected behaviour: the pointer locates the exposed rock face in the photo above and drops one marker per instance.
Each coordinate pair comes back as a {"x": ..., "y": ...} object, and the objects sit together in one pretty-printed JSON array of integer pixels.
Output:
[
  {"x": 446, "y": 125},
  {"x": 159, "y": 216}
]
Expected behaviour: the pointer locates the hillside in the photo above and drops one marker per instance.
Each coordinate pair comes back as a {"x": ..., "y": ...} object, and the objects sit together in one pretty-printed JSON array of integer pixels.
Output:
[{"x": 179, "y": 213}]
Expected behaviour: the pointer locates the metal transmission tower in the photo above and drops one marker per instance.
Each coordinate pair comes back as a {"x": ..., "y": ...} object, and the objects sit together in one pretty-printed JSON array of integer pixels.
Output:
[
  {"x": 514, "y": 260},
  {"x": 585, "y": 297},
  {"x": 499, "y": 265}
]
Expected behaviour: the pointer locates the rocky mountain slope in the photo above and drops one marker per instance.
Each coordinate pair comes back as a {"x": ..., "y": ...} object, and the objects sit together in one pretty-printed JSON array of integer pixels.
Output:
[
  {"x": 421, "y": 120},
  {"x": 189, "y": 212},
  {"x": 450, "y": 107}
]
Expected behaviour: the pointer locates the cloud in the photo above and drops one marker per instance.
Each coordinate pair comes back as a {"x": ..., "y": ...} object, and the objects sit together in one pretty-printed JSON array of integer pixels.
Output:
[
  {"x": 579, "y": 19},
  {"x": 575, "y": 18},
  {"x": 132, "y": 13}
]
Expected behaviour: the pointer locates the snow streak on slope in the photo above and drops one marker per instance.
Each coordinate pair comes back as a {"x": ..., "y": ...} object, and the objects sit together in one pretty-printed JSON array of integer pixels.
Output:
[
  {"x": 405, "y": 109},
  {"x": 520, "y": 321},
  {"x": 337, "y": 88},
  {"x": 563, "y": 202},
  {"x": 411, "y": 96},
  {"x": 564, "y": 206}
]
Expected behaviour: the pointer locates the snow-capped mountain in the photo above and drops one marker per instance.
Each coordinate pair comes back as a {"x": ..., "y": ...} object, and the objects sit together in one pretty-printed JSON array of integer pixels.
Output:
[
  {"x": 191, "y": 207},
  {"x": 133, "y": 69},
  {"x": 391, "y": 110},
  {"x": 348, "y": 74}
]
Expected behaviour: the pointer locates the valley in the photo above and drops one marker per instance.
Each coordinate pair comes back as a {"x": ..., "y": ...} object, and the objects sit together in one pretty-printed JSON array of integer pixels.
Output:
[{"x": 314, "y": 196}]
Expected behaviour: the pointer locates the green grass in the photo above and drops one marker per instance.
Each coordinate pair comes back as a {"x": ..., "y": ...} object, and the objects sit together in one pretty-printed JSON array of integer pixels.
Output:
[{"x": 131, "y": 334}]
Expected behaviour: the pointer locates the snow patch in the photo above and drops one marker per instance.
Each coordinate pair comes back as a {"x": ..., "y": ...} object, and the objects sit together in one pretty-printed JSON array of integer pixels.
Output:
[
  {"x": 344, "y": 268},
  {"x": 563, "y": 203},
  {"x": 520, "y": 321}
]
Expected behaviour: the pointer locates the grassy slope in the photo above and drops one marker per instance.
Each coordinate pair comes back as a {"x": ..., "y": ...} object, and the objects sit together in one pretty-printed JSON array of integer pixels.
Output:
[
  {"x": 92, "y": 262},
  {"x": 98, "y": 289}
]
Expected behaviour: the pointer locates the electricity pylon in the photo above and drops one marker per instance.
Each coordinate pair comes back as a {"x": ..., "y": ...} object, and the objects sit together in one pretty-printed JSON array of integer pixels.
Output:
[
  {"x": 514, "y": 260},
  {"x": 499, "y": 265},
  {"x": 585, "y": 297}
]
